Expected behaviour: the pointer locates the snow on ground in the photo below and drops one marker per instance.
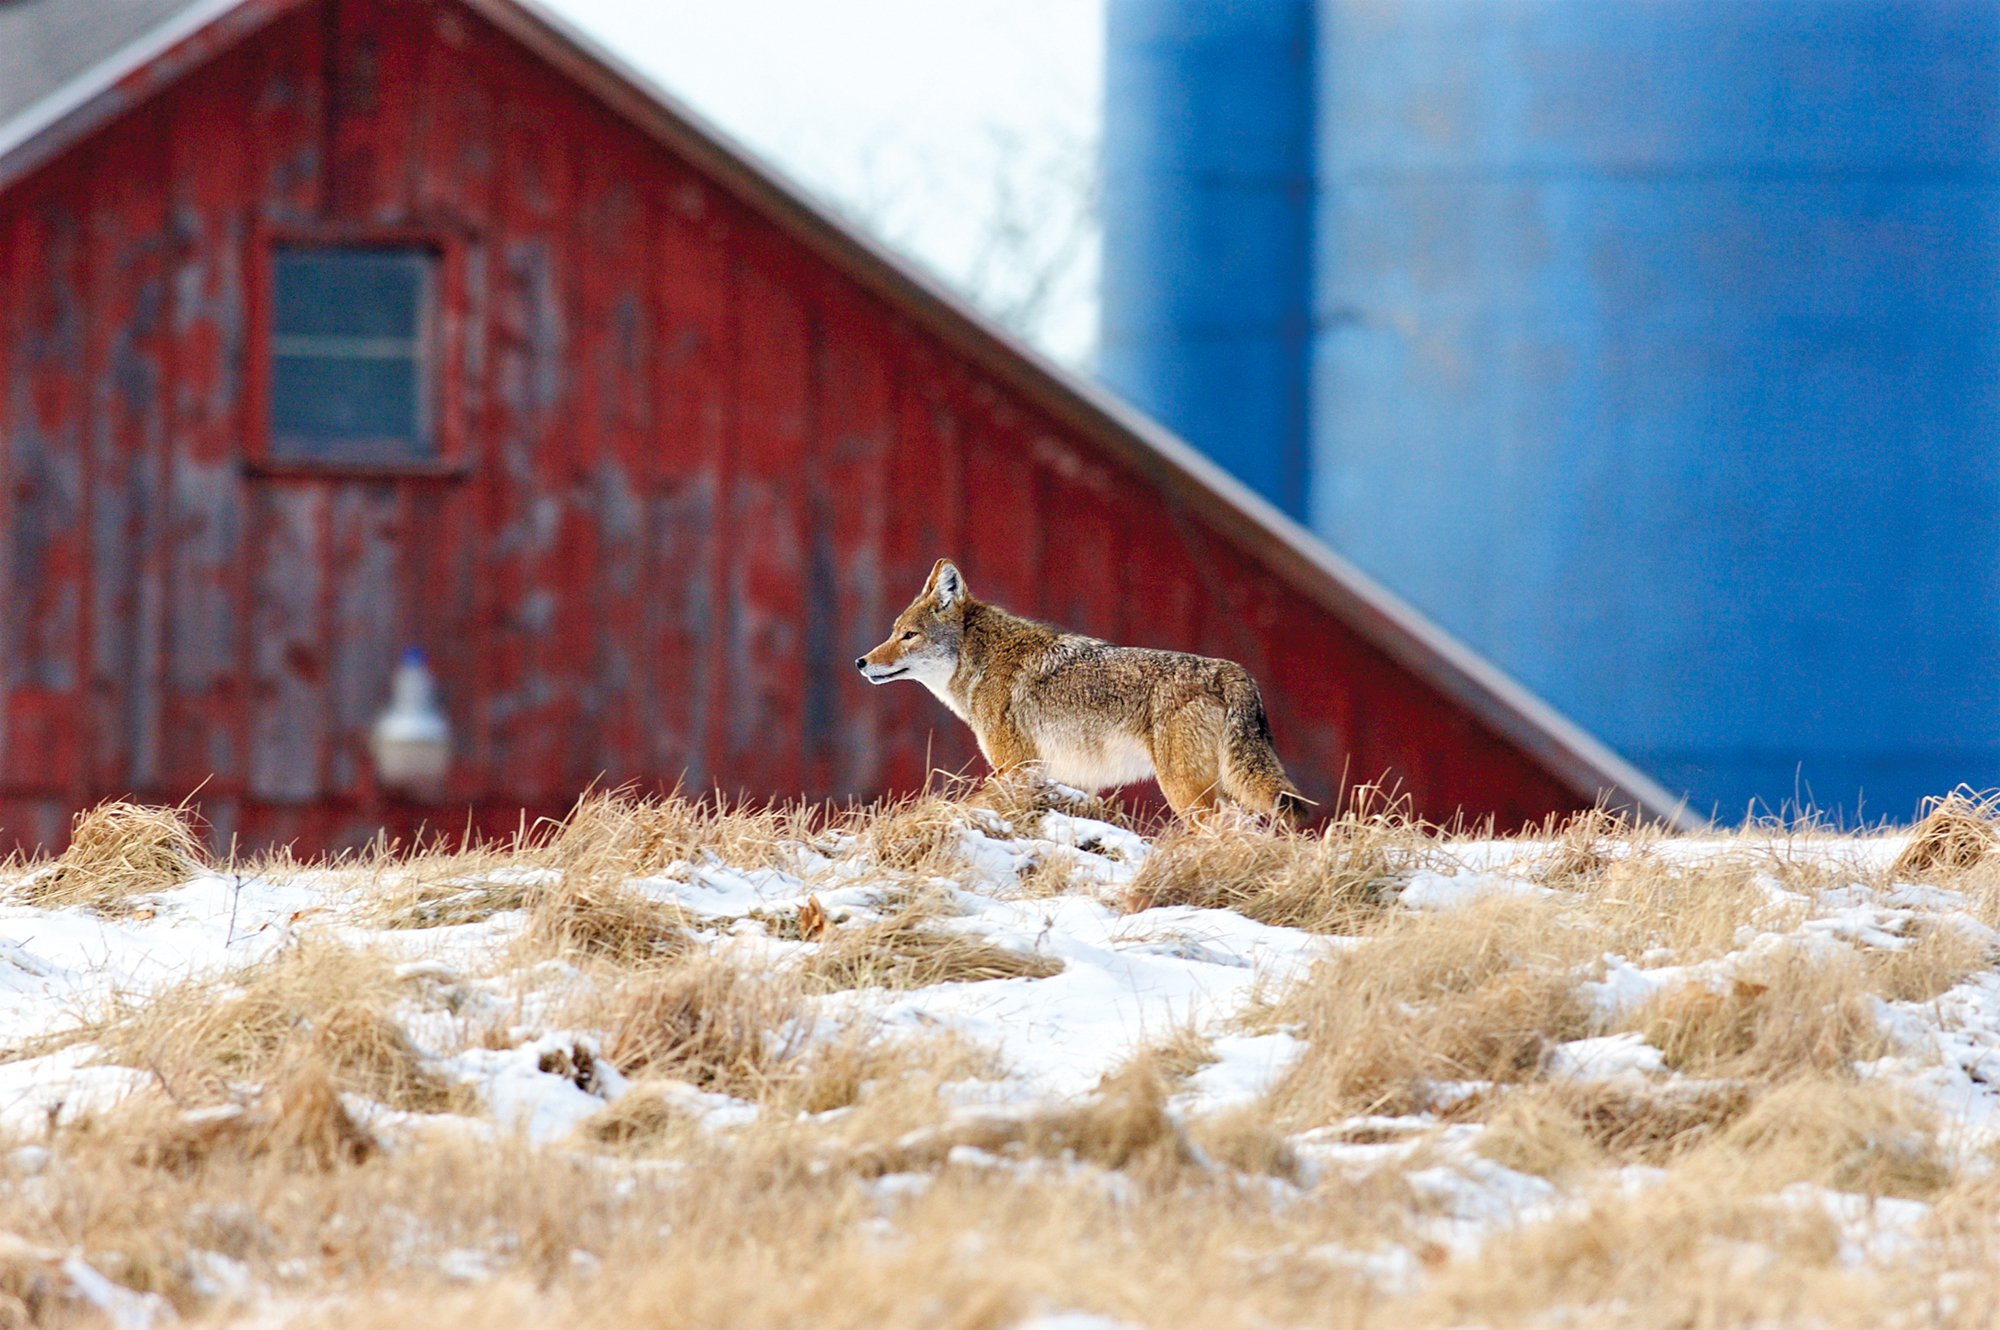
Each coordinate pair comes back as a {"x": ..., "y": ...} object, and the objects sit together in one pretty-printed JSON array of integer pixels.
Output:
[
  {"x": 1127, "y": 980},
  {"x": 55, "y": 963}
]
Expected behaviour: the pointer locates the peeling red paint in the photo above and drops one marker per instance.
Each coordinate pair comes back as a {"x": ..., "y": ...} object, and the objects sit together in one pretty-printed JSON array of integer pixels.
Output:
[{"x": 691, "y": 468}]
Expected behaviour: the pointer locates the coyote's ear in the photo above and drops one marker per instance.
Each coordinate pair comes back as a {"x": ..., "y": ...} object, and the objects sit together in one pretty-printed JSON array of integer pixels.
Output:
[{"x": 946, "y": 585}]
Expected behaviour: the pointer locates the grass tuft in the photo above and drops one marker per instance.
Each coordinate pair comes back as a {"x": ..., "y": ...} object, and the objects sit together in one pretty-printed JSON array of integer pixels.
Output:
[
  {"x": 1124, "y": 1124},
  {"x": 456, "y": 900},
  {"x": 1836, "y": 1133},
  {"x": 705, "y": 1022},
  {"x": 315, "y": 1002},
  {"x": 921, "y": 836},
  {"x": 118, "y": 850},
  {"x": 1477, "y": 994},
  {"x": 908, "y": 950},
  {"x": 1800, "y": 1013},
  {"x": 299, "y": 1122},
  {"x": 1021, "y": 798},
  {"x": 1954, "y": 834},
  {"x": 1586, "y": 847},
  {"x": 640, "y": 1119},
  {"x": 1563, "y": 1130},
  {"x": 617, "y": 834},
  {"x": 596, "y": 918},
  {"x": 1330, "y": 882}
]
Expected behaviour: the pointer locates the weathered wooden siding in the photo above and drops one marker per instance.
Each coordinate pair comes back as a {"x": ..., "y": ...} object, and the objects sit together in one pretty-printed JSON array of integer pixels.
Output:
[{"x": 701, "y": 468}]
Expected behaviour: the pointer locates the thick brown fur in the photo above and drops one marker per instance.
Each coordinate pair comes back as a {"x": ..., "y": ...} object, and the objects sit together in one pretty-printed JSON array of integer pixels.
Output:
[{"x": 1085, "y": 713}]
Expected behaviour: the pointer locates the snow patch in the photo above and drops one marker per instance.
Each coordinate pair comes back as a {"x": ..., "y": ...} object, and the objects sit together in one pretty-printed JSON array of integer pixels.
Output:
[
  {"x": 1245, "y": 1068},
  {"x": 1607, "y": 1058},
  {"x": 1429, "y": 889}
]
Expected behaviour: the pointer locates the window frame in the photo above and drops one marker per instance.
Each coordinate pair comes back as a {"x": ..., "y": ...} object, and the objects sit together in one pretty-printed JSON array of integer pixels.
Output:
[{"x": 450, "y": 459}]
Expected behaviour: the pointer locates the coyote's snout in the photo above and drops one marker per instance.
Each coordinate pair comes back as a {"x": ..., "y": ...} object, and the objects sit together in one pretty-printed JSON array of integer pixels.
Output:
[{"x": 1084, "y": 712}]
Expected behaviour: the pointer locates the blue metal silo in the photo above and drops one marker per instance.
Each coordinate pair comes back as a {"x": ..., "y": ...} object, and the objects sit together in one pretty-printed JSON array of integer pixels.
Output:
[
  {"x": 1655, "y": 355},
  {"x": 1208, "y": 206}
]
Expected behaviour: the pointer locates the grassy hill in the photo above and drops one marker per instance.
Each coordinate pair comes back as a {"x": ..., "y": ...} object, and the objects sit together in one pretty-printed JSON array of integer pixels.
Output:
[{"x": 935, "y": 1064}]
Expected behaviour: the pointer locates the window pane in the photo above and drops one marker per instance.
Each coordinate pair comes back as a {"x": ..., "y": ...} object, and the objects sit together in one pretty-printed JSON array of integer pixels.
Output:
[{"x": 349, "y": 360}]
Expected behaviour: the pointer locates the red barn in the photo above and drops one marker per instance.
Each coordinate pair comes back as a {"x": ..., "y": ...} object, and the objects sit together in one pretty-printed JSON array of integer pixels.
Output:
[{"x": 328, "y": 326}]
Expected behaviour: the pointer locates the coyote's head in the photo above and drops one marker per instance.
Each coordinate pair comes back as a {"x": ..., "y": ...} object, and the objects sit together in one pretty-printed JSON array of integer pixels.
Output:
[{"x": 923, "y": 644}]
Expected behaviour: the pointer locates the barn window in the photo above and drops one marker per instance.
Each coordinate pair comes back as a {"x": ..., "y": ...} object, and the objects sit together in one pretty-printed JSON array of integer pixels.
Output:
[{"x": 351, "y": 374}]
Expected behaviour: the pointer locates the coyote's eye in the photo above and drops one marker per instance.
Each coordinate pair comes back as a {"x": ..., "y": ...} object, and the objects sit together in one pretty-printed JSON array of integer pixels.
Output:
[{"x": 907, "y": 636}]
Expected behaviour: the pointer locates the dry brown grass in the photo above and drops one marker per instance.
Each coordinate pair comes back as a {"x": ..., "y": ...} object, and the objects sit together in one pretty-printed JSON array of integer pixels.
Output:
[
  {"x": 921, "y": 837},
  {"x": 314, "y": 1002},
  {"x": 1937, "y": 957},
  {"x": 591, "y": 917},
  {"x": 1566, "y": 1130},
  {"x": 1833, "y": 1132},
  {"x": 612, "y": 837},
  {"x": 1180, "y": 1053},
  {"x": 1798, "y": 1014},
  {"x": 1645, "y": 901},
  {"x": 1691, "y": 1252},
  {"x": 1329, "y": 882},
  {"x": 420, "y": 900},
  {"x": 308, "y": 1205},
  {"x": 642, "y": 1120},
  {"x": 1055, "y": 875},
  {"x": 37, "y": 1288},
  {"x": 908, "y": 949},
  {"x": 119, "y": 850},
  {"x": 1716, "y": 1240},
  {"x": 706, "y": 1022},
  {"x": 745, "y": 1232},
  {"x": 1981, "y": 885},
  {"x": 747, "y": 1235},
  {"x": 1954, "y": 834},
  {"x": 618, "y": 834},
  {"x": 758, "y": 1241},
  {"x": 299, "y": 1121},
  {"x": 709, "y": 1023},
  {"x": 863, "y": 1195},
  {"x": 1478, "y": 993},
  {"x": 893, "y": 1079},
  {"x": 1587, "y": 845},
  {"x": 589, "y": 910},
  {"x": 1124, "y": 1125},
  {"x": 1022, "y": 799},
  {"x": 1827, "y": 1130},
  {"x": 1245, "y": 1140}
]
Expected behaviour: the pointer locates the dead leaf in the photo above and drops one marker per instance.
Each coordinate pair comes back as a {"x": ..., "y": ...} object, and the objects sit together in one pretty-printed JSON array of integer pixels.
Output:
[{"x": 813, "y": 922}]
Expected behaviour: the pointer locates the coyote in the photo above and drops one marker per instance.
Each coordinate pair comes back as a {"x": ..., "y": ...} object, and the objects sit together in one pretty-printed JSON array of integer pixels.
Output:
[{"x": 1085, "y": 713}]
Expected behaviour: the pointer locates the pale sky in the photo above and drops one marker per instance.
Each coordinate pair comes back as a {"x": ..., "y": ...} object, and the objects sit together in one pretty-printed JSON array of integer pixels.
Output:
[{"x": 962, "y": 132}]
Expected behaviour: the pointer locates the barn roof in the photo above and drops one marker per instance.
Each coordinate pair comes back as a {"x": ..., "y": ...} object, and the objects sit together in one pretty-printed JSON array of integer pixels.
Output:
[
  {"x": 44, "y": 44},
  {"x": 68, "y": 66}
]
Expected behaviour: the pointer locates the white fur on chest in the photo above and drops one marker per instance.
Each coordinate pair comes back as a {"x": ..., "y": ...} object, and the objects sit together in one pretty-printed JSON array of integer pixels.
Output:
[
  {"x": 937, "y": 675},
  {"x": 1097, "y": 762}
]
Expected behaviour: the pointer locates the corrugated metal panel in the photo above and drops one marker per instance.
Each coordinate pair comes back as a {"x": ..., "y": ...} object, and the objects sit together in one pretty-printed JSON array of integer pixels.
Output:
[{"x": 696, "y": 453}]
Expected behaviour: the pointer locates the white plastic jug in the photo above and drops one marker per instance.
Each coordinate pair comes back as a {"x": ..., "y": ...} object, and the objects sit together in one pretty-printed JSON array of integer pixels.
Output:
[{"x": 411, "y": 741}]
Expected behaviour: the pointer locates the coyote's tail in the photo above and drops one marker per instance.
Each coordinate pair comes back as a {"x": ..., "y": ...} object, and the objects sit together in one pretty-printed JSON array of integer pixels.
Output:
[{"x": 1251, "y": 773}]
